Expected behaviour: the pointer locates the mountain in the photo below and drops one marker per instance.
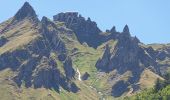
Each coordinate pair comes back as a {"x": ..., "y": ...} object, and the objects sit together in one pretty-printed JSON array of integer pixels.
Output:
[{"x": 69, "y": 57}]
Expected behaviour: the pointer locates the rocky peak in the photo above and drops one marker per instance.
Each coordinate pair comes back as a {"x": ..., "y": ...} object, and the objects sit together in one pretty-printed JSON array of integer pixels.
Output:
[
  {"x": 65, "y": 16},
  {"x": 113, "y": 30},
  {"x": 25, "y": 11},
  {"x": 44, "y": 20},
  {"x": 50, "y": 33},
  {"x": 126, "y": 32},
  {"x": 135, "y": 39},
  {"x": 126, "y": 55},
  {"x": 85, "y": 30},
  {"x": 126, "y": 29}
]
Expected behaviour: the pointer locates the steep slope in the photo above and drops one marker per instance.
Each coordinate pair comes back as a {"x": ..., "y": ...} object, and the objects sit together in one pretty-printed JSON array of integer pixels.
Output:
[
  {"x": 126, "y": 59},
  {"x": 162, "y": 54},
  {"x": 34, "y": 53}
]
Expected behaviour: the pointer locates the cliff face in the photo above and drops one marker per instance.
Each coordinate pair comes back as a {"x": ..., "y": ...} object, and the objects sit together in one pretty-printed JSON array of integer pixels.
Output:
[{"x": 25, "y": 11}]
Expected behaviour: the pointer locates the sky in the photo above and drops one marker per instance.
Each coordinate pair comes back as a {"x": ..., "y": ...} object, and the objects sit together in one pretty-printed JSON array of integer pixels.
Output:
[{"x": 149, "y": 20}]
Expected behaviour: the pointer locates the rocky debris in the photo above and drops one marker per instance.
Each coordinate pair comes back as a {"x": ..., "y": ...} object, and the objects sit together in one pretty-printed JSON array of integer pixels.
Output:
[
  {"x": 85, "y": 30},
  {"x": 25, "y": 11},
  {"x": 85, "y": 76}
]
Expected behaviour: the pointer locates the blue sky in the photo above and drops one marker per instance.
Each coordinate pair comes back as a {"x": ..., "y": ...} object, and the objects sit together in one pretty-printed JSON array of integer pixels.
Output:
[{"x": 149, "y": 20}]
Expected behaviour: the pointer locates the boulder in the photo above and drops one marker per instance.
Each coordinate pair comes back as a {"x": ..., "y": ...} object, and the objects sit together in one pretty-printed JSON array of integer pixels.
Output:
[{"x": 85, "y": 76}]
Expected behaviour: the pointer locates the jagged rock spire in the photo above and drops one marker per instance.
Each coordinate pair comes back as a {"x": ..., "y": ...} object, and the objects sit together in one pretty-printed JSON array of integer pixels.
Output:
[
  {"x": 44, "y": 20},
  {"x": 126, "y": 29},
  {"x": 113, "y": 30},
  {"x": 104, "y": 61},
  {"x": 135, "y": 39},
  {"x": 25, "y": 11}
]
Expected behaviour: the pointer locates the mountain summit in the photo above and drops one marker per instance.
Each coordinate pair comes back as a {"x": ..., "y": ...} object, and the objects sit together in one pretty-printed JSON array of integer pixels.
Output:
[{"x": 25, "y": 11}]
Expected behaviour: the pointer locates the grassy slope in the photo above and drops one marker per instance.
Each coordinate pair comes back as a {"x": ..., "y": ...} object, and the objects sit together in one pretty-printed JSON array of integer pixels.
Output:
[
  {"x": 85, "y": 59},
  {"x": 148, "y": 78},
  {"x": 157, "y": 46},
  {"x": 18, "y": 37},
  {"x": 9, "y": 91}
]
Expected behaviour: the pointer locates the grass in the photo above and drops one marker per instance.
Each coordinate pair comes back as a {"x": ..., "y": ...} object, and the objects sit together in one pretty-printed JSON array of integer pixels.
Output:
[
  {"x": 9, "y": 91},
  {"x": 148, "y": 78},
  {"x": 17, "y": 38}
]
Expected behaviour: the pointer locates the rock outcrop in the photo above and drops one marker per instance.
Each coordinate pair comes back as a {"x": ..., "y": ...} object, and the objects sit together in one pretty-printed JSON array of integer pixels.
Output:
[
  {"x": 85, "y": 76},
  {"x": 127, "y": 55},
  {"x": 69, "y": 71},
  {"x": 25, "y": 11},
  {"x": 85, "y": 30},
  {"x": 119, "y": 88},
  {"x": 51, "y": 35}
]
